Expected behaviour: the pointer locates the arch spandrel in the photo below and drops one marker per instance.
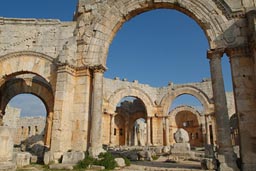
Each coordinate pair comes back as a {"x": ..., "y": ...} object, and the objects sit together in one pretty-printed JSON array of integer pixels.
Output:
[
  {"x": 27, "y": 61},
  {"x": 167, "y": 100},
  {"x": 106, "y": 18},
  {"x": 118, "y": 95}
]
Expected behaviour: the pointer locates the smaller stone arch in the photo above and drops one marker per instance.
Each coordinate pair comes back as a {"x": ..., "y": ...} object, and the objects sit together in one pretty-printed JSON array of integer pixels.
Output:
[
  {"x": 134, "y": 92},
  {"x": 190, "y": 90},
  {"x": 191, "y": 120},
  {"x": 30, "y": 84}
]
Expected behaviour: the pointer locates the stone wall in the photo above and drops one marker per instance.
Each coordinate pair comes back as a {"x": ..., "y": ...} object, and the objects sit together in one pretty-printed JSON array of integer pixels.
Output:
[{"x": 25, "y": 127}]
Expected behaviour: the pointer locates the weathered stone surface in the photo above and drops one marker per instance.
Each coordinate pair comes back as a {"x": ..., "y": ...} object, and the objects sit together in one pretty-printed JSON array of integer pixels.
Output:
[
  {"x": 72, "y": 157},
  {"x": 181, "y": 136},
  {"x": 70, "y": 57},
  {"x": 7, "y": 166},
  {"x": 208, "y": 164},
  {"x": 62, "y": 166},
  {"x": 22, "y": 159},
  {"x": 120, "y": 162},
  {"x": 180, "y": 148},
  {"x": 6, "y": 144}
]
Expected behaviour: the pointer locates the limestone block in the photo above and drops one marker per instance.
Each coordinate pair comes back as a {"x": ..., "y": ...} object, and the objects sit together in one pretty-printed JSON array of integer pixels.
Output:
[
  {"x": 6, "y": 144},
  {"x": 181, "y": 148},
  {"x": 120, "y": 162},
  {"x": 7, "y": 166},
  {"x": 22, "y": 159},
  {"x": 181, "y": 136},
  {"x": 72, "y": 157},
  {"x": 62, "y": 166}
]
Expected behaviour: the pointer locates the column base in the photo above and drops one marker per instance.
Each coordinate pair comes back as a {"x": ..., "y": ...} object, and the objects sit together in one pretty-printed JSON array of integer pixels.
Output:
[
  {"x": 227, "y": 163},
  {"x": 95, "y": 151}
]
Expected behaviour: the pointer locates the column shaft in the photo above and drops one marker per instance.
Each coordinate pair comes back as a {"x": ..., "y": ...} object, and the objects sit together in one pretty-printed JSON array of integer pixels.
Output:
[
  {"x": 96, "y": 112},
  {"x": 167, "y": 133},
  {"x": 225, "y": 150},
  {"x": 148, "y": 132}
]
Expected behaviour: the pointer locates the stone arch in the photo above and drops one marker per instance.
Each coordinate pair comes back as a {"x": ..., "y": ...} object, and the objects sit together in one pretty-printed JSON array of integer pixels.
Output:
[
  {"x": 178, "y": 109},
  {"x": 190, "y": 90},
  {"x": 29, "y": 83},
  {"x": 110, "y": 18},
  {"x": 30, "y": 62},
  {"x": 134, "y": 92},
  {"x": 194, "y": 123}
]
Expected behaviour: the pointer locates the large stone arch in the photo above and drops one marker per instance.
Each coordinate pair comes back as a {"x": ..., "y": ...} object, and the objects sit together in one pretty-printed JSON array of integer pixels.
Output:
[
  {"x": 30, "y": 62},
  {"x": 29, "y": 83},
  {"x": 190, "y": 90},
  {"x": 117, "y": 96},
  {"x": 105, "y": 19}
]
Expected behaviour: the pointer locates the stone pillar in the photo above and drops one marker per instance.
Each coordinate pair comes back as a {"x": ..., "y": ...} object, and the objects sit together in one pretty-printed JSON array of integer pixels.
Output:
[
  {"x": 243, "y": 75},
  {"x": 225, "y": 150},
  {"x": 63, "y": 111},
  {"x": 207, "y": 139},
  {"x": 1, "y": 118},
  {"x": 149, "y": 131},
  {"x": 48, "y": 130},
  {"x": 6, "y": 144},
  {"x": 96, "y": 111},
  {"x": 111, "y": 133},
  {"x": 167, "y": 133}
]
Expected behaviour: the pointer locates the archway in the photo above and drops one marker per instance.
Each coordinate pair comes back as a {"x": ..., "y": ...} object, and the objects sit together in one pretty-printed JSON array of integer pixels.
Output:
[
  {"x": 122, "y": 127},
  {"x": 29, "y": 83}
]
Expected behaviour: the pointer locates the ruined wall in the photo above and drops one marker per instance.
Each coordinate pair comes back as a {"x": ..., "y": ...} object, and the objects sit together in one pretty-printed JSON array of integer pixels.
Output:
[{"x": 38, "y": 35}]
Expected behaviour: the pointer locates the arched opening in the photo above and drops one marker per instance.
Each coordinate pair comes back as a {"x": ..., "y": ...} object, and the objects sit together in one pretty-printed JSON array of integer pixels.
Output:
[
  {"x": 155, "y": 50},
  {"x": 126, "y": 127},
  {"x": 186, "y": 112},
  {"x": 187, "y": 100},
  {"x": 27, "y": 102}
]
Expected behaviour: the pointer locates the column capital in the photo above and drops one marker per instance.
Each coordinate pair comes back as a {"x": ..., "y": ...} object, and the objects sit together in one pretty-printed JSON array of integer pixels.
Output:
[
  {"x": 98, "y": 68},
  {"x": 240, "y": 51},
  {"x": 215, "y": 53}
]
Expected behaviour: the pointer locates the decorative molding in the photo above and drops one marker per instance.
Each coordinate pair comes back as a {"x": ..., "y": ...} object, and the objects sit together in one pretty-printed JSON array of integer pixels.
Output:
[
  {"x": 215, "y": 53},
  {"x": 27, "y": 53},
  {"x": 240, "y": 51}
]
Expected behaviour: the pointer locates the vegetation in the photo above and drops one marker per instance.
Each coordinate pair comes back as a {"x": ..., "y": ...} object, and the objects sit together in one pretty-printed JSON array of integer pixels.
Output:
[
  {"x": 127, "y": 161},
  {"x": 155, "y": 157}
]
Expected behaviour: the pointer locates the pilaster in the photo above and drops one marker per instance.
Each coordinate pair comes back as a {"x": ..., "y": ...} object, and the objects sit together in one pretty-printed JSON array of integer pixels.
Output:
[{"x": 243, "y": 75}]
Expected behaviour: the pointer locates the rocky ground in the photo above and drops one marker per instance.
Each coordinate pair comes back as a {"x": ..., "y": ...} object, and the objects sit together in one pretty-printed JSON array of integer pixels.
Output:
[{"x": 158, "y": 165}]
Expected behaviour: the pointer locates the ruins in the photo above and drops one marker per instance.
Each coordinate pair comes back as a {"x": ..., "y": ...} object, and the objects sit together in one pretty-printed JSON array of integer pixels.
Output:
[{"x": 63, "y": 63}]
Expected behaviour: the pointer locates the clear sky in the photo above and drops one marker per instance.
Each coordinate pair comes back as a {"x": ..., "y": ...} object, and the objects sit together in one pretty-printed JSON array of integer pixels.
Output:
[{"x": 155, "y": 47}]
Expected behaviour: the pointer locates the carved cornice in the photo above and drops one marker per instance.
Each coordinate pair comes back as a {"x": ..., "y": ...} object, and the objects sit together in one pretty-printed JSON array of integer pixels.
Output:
[
  {"x": 26, "y": 53},
  {"x": 241, "y": 51},
  {"x": 227, "y": 11},
  {"x": 82, "y": 70},
  {"x": 215, "y": 53},
  {"x": 98, "y": 68}
]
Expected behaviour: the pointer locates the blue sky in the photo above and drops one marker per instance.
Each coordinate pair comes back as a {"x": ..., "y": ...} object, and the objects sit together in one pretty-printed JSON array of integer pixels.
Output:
[{"x": 155, "y": 47}]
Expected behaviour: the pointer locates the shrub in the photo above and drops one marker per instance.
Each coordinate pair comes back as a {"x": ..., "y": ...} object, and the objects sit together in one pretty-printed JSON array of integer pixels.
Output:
[
  {"x": 155, "y": 157},
  {"x": 106, "y": 160},
  {"x": 85, "y": 163},
  {"x": 127, "y": 161}
]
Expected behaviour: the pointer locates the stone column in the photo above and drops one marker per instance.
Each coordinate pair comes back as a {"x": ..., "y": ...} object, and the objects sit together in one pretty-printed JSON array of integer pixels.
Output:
[
  {"x": 112, "y": 120},
  {"x": 48, "y": 130},
  {"x": 225, "y": 150},
  {"x": 207, "y": 139},
  {"x": 243, "y": 75},
  {"x": 149, "y": 131},
  {"x": 96, "y": 111},
  {"x": 1, "y": 118},
  {"x": 167, "y": 134}
]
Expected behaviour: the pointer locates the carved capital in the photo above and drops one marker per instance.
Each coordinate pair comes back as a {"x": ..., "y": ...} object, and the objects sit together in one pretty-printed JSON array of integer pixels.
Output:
[
  {"x": 215, "y": 53},
  {"x": 241, "y": 51},
  {"x": 98, "y": 68}
]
